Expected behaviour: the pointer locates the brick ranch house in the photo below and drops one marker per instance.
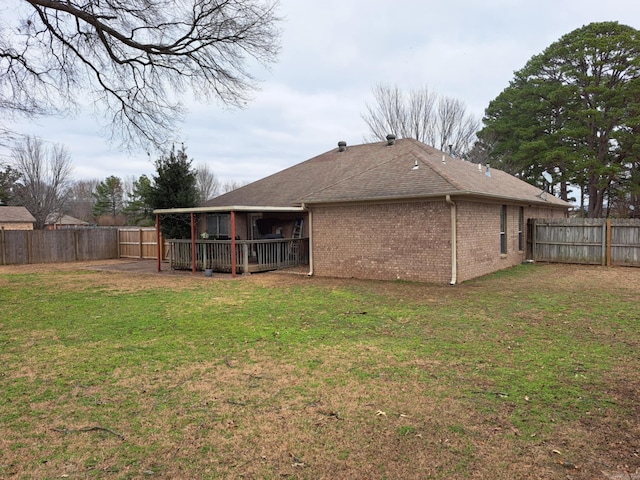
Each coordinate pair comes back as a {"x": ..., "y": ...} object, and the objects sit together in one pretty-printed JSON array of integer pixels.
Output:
[
  {"x": 387, "y": 211},
  {"x": 16, "y": 218}
]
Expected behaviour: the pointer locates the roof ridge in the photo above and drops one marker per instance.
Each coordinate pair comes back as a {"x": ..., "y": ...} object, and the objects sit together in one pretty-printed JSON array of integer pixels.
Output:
[{"x": 354, "y": 175}]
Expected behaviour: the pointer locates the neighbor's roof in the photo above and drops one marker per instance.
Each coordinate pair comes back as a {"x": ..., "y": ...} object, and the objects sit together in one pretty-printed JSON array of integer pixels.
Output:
[
  {"x": 15, "y": 215},
  {"x": 378, "y": 171},
  {"x": 57, "y": 219}
]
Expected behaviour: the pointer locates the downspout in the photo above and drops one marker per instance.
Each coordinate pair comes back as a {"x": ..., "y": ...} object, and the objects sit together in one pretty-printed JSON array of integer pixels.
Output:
[
  {"x": 454, "y": 242},
  {"x": 310, "y": 214}
]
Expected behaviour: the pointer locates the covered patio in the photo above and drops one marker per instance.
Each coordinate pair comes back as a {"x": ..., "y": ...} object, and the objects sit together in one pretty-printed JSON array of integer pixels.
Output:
[{"x": 239, "y": 247}]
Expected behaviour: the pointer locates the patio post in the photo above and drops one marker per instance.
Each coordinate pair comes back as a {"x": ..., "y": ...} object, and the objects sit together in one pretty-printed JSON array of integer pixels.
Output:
[
  {"x": 193, "y": 244},
  {"x": 233, "y": 244},
  {"x": 158, "y": 243}
]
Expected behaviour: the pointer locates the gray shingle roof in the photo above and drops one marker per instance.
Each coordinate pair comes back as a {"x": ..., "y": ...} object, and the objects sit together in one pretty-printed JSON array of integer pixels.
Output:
[
  {"x": 378, "y": 171},
  {"x": 57, "y": 219},
  {"x": 15, "y": 215}
]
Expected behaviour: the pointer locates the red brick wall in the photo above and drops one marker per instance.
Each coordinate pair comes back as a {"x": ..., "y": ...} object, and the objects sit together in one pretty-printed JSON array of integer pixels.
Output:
[
  {"x": 479, "y": 237},
  {"x": 412, "y": 241},
  {"x": 408, "y": 241},
  {"x": 241, "y": 226}
]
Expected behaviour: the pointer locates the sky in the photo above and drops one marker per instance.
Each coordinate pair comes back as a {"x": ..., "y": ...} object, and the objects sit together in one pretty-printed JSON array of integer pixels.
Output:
[{"x": 333, "y": 53}]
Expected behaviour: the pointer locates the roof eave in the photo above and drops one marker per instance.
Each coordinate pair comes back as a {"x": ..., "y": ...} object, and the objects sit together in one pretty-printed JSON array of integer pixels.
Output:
[
  {"x": 398, "y": 198},
  {"x": 227, "y": 208}
]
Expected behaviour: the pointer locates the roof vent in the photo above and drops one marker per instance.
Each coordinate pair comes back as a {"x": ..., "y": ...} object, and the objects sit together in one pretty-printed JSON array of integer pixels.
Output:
[
  {"x": 391, "y": 139},
  {"x": 487, "y": 172},
  {"x": 342, "y": 146}
]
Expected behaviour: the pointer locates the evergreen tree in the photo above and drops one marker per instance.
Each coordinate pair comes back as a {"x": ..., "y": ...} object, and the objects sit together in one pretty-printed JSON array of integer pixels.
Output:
[
  {"x": 109, "y": 198},
  {"x": 174, "y": 186},
  {"x": 8, "y": 179},
  {"x": 573, "y": 111},
  {"x": 138, "y": 211}
]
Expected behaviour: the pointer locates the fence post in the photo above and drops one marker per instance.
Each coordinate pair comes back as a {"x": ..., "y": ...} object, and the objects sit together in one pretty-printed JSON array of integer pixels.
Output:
[
  {"x": 603, "y": 258},
  {"x": 533, "y": 233},
  {"x": 75, "y": 245},
  {"x": 140, "y": 242},
  {"x": 608, "y": 242},
  {"x": 4, "y": 246},
  {"x": 28, "y": 244}
]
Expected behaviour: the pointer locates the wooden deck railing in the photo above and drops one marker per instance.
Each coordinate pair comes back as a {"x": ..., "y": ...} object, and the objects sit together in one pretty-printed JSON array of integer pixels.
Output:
[{"x": 251, "y": 255}]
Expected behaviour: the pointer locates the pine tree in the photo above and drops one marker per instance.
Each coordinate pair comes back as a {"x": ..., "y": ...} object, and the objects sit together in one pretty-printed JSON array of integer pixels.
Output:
[
  {"x": 573, "y": 111},
  {"x": 109, "y": 198},
  {"x": 174, "y": 186},
  {"x": 138, "y": 211}
]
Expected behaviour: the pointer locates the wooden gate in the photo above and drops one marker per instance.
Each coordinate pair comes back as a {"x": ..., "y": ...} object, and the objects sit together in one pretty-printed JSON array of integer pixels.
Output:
[{"x": 140, "y": 243}]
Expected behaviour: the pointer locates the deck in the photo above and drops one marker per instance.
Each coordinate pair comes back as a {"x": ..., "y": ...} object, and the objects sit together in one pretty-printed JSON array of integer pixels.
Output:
[{"x": 251, "y": 255}]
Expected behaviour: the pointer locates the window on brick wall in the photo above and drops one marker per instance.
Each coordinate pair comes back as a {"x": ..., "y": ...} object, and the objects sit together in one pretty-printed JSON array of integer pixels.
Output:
[
  {"x": 218, "y": 224},
  {"x": 521, "y": 229},
  {"x": 503, "y": 229}
]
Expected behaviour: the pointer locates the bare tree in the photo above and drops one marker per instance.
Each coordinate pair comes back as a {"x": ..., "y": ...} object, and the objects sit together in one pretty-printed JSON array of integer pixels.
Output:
[
  {"x": 230, "y": 185},
  {"x": 206, "y": 182},
  {"x": 442, "y": 122},
  {"x": 45, "y": 178},
  {"x": 81, "y": 199},
  {"x": 389, "y": 114},
  {"x": 134, "y": 59},
  {"x": 455, "y": 128}
]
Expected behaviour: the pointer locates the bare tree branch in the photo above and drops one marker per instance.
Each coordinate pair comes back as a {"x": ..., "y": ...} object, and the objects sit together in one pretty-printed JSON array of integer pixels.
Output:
[
  {"x": 441, "y": 122},
  {"x": 133, "y": 59}
]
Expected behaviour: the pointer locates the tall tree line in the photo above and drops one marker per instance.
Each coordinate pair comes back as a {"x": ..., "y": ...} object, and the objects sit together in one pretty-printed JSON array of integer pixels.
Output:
[
  {"x": 39, "y": 177},
  {"x": 574, "y": 112}
]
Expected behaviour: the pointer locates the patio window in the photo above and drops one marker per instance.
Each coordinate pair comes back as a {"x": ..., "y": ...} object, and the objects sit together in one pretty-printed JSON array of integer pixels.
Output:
[
  {"x": 503, "y": 230},
  {"x": 218, "y": 225}
]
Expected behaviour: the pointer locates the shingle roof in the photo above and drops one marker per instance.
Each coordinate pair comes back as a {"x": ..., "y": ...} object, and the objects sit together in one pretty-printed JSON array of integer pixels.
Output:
[
  {"x": 57, "y": 219},
  {"x": 378, "y": 171},
  {"x": 15, "y": 215}
]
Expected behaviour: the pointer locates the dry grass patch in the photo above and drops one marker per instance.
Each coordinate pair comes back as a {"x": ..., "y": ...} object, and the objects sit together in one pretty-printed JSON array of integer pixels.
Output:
[{"x": 529, "y": 373}]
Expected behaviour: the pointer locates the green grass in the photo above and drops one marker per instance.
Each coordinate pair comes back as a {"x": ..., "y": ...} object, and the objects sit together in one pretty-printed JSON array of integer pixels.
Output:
[{"x": 239, "y": 372}]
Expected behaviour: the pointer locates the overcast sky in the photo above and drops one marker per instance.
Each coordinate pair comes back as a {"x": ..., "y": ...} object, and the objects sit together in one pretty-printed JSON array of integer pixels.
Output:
[{"x": 333, "y": 53}]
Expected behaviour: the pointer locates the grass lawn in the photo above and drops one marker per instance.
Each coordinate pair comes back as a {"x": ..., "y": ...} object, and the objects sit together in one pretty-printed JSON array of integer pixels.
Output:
[{"x": 528, "y": 373}]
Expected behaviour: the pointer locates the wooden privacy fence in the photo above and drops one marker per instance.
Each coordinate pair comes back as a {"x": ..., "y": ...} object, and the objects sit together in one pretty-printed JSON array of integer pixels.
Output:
[
  {"x": 48, "y": 246},
  {"x": 141, "y": 243},
  {"x": 596, "y": 241}
]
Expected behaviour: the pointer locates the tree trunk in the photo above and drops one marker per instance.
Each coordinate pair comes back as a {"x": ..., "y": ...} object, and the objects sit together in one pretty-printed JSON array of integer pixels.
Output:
[
  {"x": 595, "y": 199},
  {"x": 564, "y": 191}
]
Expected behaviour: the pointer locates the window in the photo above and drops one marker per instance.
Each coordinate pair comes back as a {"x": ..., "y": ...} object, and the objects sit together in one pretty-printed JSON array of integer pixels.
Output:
[
  {"x": 218, "y": 225},
  {"x": 521, "y": 229},
  {"x": 503, "y": 230}
]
